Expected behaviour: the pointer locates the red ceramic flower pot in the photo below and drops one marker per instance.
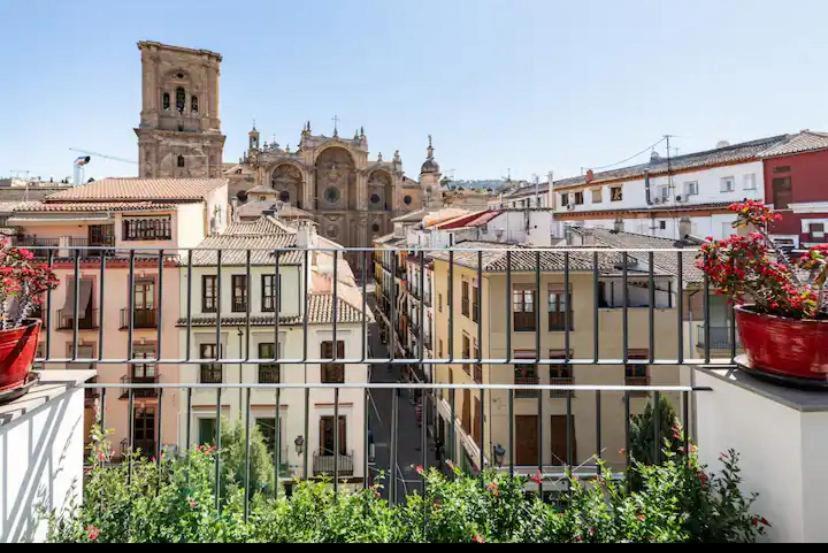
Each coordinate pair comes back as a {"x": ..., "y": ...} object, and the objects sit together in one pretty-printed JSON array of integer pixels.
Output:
[
  {"x": 17, "y": 351},
  {"x": 783, "y": 347}
]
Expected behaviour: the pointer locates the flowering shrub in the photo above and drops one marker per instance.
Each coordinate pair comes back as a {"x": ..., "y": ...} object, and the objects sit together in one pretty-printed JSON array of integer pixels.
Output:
[
  {"x": 677, "y": 501},
  {"x": 23, "y": 283},
  {"x": 751, "y": 268}
]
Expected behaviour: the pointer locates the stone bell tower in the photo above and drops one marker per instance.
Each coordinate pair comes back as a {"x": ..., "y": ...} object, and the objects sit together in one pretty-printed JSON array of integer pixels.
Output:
[
  {"x": 430, "y": 179},
  {"x": 180, "y": 131}
]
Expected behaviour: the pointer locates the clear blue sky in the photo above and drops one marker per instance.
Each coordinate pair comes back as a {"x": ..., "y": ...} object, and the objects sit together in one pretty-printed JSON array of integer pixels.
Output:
[{"x": 531, "y": 86}]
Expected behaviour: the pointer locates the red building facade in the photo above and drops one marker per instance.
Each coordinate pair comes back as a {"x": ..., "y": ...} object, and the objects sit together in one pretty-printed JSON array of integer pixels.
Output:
[{"x": 796, "y": 185}]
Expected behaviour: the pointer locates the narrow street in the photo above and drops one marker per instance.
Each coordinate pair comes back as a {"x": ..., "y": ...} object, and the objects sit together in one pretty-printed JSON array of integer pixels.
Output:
[{"x": 409, "y": 451}]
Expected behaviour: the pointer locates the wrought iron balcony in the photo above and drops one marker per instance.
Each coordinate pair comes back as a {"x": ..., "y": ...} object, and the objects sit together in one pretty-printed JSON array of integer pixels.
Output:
[
  {"x": 142, "y": 318},
  {"x": 88, "y": 320},
  {"x": 330, "y": 464}
]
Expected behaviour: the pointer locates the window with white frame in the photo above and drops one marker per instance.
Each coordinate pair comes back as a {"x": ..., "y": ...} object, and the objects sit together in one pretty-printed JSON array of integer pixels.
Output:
[
  {"x": 749, "y": 182},
  {"x": 691, "y": 188},
  {"x": 664, "y": 192},
  {"x": 728, "y": 184}
]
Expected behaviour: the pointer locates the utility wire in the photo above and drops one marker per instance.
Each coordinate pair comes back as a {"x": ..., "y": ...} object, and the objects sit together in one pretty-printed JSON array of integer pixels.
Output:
[{"x": 650, "y": 147}]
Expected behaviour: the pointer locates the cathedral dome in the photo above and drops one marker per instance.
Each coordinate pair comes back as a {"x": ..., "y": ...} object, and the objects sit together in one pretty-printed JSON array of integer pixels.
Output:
[{"x": 430, "y": 166}]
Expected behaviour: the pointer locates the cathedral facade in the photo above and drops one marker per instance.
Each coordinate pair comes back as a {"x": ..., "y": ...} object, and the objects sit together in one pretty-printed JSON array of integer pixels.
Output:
[{"x": 351, "y": 198}]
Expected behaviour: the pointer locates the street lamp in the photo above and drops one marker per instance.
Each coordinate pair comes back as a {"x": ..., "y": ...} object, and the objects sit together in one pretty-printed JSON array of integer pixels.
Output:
[
  {"x": 299, "y": 442},
  {"x": 498, "y": 452}
]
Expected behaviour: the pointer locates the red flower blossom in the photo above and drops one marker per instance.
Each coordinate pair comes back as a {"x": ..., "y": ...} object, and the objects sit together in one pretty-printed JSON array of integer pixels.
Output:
[
  {"x": 477, "y": 538},
  {"x": 92, "y": 533},
  {"x": 537, "y": 478},
  {"x": 493, "y": 488},
  {"x": 419, "y": 469}
]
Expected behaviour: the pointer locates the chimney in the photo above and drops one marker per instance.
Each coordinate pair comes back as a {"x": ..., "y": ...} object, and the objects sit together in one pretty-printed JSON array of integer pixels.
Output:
[
  {"x": 234, "y": 210},
  {"x": 306, "y": 235}
]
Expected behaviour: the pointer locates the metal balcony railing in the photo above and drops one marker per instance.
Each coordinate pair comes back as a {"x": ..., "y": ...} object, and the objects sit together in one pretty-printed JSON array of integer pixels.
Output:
[
  {"x": 141, "y": 318},
  {"x": 88, "y": 320},
  {"x": 455, "y": 401},
  {"x": 327, "y": 463},
  {"x": 139, "y": 392}
]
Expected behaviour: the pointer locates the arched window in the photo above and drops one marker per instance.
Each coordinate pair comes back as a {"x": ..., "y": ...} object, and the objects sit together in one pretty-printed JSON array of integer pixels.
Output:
[
  {"x": 165, "y": 101},
  {"x": 194, "y": 104},
  {"x": 180, "y": 161},
  {"x": 180, "y": 99}
]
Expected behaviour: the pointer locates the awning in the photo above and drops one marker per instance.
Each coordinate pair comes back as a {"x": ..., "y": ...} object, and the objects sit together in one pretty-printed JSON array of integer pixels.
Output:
[{"x": 83, "y": 300}]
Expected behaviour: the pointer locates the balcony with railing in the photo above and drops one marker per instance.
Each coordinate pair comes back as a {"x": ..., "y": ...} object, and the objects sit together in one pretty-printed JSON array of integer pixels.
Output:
[
  {"x": 142, "y": 318},
  {"x": 88, "y": 319},
  {"x": 479, "y": 426}
]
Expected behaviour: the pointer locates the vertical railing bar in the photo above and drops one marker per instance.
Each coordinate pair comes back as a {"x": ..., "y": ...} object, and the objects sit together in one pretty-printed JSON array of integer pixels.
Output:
[
  {"x": 453, "y": 430},
  {"x": 277, "y": 303},
  {"x": 76, "y": 304},
  {"x": 423, "y": 436},
  {"x": 365, "y": 445},
  {"x": 364, "y": 310},
  {"x": 189, "y": 418},
  {"x": 248, "y": 299},
  {"x": 706, "y": 282},
  {"x": 306, "y": 295},
  {"x": 509, "y": 314},
  {"x": 570, "y": 461},
  {"x": 160, "y": 309},
  {"x": 540, "y": 441},
  {"x": 101, "y": 290},
  {"x": 392, "y": 331},
  {"x": 732, "y": 331},
  {"x": 188, "y": 338},
  {"x": 656, "y": 427},
  {"x": 421, "y": 319},
  {"x": 596, "y": 289},
  {"x": 651, "y": 308},
  {"x": 130, "y": 442},
  {"x": 48, "y": 323},
  {"x": 307, "y": 441},
  {"x": 392, "y": 457},
  {"x": 680, "y": 307},
  {"x": 336, "y": 442},
  {"x": 479, "y": 313},
  {"x": 218, "y": 306},
  {"x": 537, "y": 307},
  {"x": 102, "y": 414},
  {"x": 217, "y": 463},
  {"x": 512, "y": 432},
  {"x": 567, "y": 300},
  {"x": 131, "y": 309},
  {"x": 334, "y": 313},
  {"x": 277, "y": 441},
  {"x": 626, "y": 311},
  {"x": 482, "y": 430},
  {"x": 450, "y": 305},
  {"x": 598, "y": 427},
  {"x": 159, "y": 449},
  {"x": 627, "y": 440},
  {"x": 247, "y": 447},
  {"x": 685, "y": 420}
]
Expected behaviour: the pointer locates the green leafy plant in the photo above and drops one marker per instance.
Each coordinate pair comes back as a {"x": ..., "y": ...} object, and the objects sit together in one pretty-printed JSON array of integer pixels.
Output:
[{"x": 174, "y": 501}]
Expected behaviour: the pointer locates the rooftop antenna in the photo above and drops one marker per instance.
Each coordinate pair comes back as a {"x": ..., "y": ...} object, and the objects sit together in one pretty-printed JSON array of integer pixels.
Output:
[{"x": 79, "y": 168}]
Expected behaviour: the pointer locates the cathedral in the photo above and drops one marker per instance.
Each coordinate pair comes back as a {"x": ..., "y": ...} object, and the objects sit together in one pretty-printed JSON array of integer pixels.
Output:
[{"x": 351, "y": 198}]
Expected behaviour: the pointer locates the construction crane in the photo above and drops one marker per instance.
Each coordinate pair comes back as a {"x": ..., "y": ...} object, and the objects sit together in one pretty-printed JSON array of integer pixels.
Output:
[{"x": 81, "y": 162}]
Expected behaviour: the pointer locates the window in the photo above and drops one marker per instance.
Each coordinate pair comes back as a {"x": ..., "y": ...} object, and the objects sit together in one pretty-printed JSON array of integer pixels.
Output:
[
  {"x": 157, "y": 228},
  {"x": 143, "y": 303},
  {"x": 526, "y": 374},
  {"x": 194, "y": 104},
  {"x": 466, "y": 343},
  {"x": 579, "y": 198},
  {"x": 782, "y": 169},
  {"x": 475, "y": 305},
  {"x": 560, "y": 374},
  {"x": 727, "y": 184},
  {"x": 144, "y": 372},
  {"x": 564, "y": 199},
  {"x": 440, "y": 348},
  {"x": 180, "y": 161},
  {"x": 662, "y": 225},
  {"x": 327, "y": 442},
  {"x": 664, "y": 192},
  {"x": 239, "y": 294},
  {"x": 85, "y": 351},
  {"x": 267, "y": 427},
  {"x": 636, "y": 374},
  {"x": 180, "y": 99},
  {"x": 816, "y": 230},
  {"x": 210, "y": 372},
  {"x": 332, "y": 373},
  {"x": 143, "y": 429},
  {"x": 165, "y": 101},
  {"x": 596, "y": 195},
  {"x": 691, "y": 188},
  {"x": 464, "y": 298},
  {"x": 749, "y": 182},
  {"x": 616, "y": 195},
  {"x": 206, "y": 431},
  {"x": 782, "y": 192},
  {"x": 557, "y": 307},
  {"x": 268, "y": 372},
  {"x": 209, "y": 293},
  {"x": 270, "y": 296},
  {"x": 523, "y": 307},
  {"x": 440, "y": 303}
]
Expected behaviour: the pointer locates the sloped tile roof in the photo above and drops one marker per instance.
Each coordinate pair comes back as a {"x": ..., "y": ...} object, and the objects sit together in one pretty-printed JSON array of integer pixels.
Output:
[
  {"x": 262, "y": 236},
  {"x": 138, "y": 189},
  {"x": 74, "y": 207},
  {"x": 804, "y": 141},
  {"x": 320, "y": 311}
]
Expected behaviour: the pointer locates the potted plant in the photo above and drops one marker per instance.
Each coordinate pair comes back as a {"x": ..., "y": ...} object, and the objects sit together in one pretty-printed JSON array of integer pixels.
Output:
[
  {"x": 781, "y": 305},
  {"x": 23, "y": 284}
]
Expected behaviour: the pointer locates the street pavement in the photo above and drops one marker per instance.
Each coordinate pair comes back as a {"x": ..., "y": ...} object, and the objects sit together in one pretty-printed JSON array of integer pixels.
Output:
[{"x": 409, "y": 439}]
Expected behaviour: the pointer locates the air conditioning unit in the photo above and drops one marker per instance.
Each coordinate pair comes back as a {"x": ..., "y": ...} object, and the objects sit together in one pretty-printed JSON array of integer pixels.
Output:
[{"x": 678, "y": 198}]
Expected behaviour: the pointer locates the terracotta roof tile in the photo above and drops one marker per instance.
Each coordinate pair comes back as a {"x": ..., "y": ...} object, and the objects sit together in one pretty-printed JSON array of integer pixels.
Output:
[
  {"x": 804, "y": 141},
  {"x": 137, "y": 189},
  {"x": 71, "y": 207}
]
